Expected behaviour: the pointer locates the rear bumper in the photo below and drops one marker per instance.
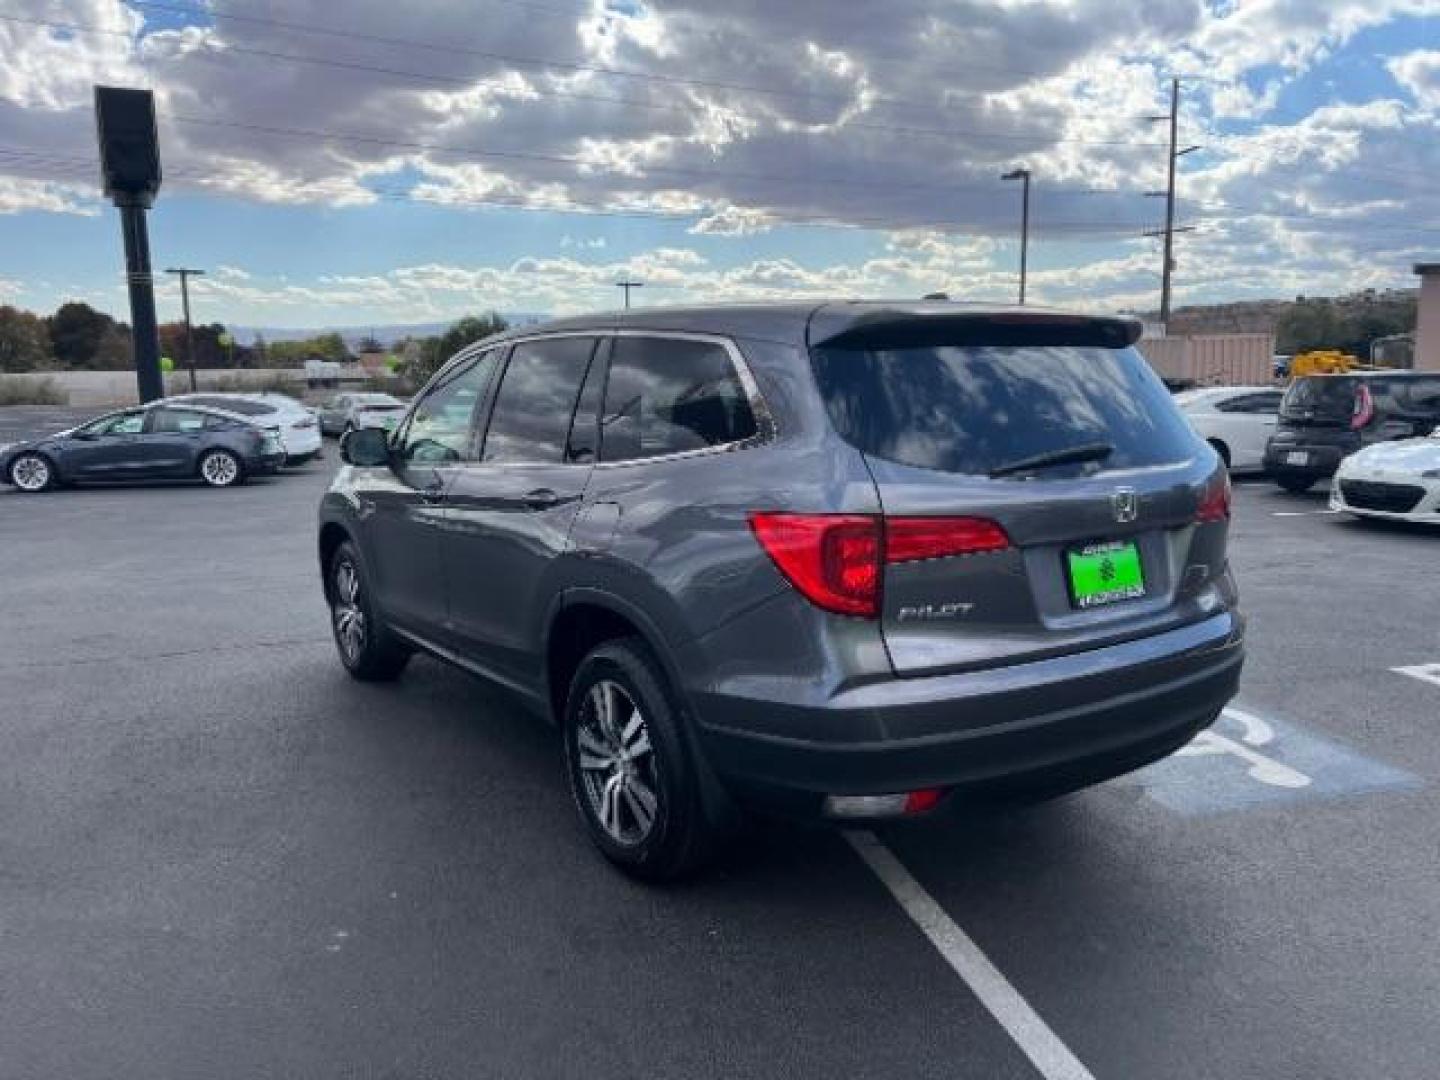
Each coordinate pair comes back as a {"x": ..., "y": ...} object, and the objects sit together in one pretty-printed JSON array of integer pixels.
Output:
[
  {"x": 1321, "y": 458},
  {"x": 265, "y": 463},
  {"x": 1066, "y": 721}
]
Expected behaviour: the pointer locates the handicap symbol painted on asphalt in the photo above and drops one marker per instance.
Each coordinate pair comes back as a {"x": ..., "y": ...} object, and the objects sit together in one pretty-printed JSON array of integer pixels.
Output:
[{"x": 1246, "y": 760}]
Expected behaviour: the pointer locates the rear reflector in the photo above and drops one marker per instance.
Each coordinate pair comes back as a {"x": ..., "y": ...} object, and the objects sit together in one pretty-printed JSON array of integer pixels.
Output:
[
  {"x": 835, "y": 560},
  {"x": 876, "y": 806},
  {"x": 908, "y": 539},
  {"x": 1215, "y": 501}
]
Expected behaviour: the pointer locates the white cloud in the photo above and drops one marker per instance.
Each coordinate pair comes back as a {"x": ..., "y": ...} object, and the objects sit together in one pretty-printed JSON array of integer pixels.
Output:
[
  {"x": 1419, "y": 73},
  {"x": 897, "y": 117}
]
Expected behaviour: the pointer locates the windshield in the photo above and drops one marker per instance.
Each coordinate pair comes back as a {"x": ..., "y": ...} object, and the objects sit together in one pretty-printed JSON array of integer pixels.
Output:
[{"x": 975, "y": 409}]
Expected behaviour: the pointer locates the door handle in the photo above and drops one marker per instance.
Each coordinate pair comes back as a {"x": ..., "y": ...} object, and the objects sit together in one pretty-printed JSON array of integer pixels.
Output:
[
  {"x": 434, "y": 491},
  {"x": 540, "y": 499}
]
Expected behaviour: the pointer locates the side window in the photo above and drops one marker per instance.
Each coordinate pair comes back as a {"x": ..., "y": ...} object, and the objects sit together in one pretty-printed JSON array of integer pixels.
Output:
[
  {"x": 667, "y": 396},
  {"x": 438, "y": 430},
  {"x": 128, "y": 423},
  {"x": 176, "y": 421},
  {"x": 1419, "y": 396},
  {"x": 530, "y": 421}
]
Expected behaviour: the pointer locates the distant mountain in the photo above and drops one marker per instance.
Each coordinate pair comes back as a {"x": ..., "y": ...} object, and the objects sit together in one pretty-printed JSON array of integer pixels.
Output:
[{"x": 387, "y": 335}]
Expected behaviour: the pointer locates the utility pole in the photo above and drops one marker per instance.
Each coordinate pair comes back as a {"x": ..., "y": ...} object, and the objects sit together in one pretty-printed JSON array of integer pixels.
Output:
[
  {"x": 1022, "y": 174},
  {"x": 627, "y": 285},
  {"x": 185, "y": 274},
  {"x": 1174, "y": 155}
]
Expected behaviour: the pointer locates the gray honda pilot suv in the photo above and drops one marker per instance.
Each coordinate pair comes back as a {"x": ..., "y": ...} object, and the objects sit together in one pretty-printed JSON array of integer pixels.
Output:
[{"x": 851, "y": 560}]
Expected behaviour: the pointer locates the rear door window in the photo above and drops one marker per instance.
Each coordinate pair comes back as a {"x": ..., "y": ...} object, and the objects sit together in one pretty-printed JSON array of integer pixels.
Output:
[
  {"x": 672, "y": 396},
  {"x": 974, "y": 408}
]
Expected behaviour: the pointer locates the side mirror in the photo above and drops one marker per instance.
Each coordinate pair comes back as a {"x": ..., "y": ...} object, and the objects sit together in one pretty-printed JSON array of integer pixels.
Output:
[{"x": 365, "y": 446}]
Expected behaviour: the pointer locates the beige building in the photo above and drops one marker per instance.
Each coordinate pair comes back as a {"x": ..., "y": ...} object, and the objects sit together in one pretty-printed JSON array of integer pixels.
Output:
[{"x": 1427, "y": 321}]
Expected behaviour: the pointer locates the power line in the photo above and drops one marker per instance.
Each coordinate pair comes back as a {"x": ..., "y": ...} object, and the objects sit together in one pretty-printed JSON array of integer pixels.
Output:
[
  {"x": 468, "y": 151},
  {"x": 470, "y": 82},
  {"x": 206, "y": 177},
  {"x": 544, "y": 62}
]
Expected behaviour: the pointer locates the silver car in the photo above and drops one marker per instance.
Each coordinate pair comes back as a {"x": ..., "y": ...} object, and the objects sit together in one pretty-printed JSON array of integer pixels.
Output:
[{"x": 346, "y": 412}]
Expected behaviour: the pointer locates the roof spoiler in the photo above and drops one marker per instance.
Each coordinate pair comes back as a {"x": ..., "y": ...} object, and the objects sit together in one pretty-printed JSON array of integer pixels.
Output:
[{"x": 909, "y": 329}]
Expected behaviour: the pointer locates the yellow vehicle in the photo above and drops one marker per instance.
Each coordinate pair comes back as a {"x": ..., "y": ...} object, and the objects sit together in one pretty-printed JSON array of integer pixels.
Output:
[{"x": 1323, "y": 362}]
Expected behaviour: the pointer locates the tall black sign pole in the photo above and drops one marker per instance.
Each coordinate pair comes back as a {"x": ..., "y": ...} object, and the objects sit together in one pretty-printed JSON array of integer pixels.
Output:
[{"x": 130, "y": 170}]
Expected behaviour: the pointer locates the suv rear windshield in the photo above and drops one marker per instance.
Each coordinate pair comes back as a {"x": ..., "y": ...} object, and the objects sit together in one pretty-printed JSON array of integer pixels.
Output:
[
  {"x": 1328, "y": 397},
  {"x": 974, "y": 408}
]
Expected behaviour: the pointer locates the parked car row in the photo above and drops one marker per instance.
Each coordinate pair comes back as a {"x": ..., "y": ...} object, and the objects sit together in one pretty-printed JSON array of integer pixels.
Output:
[
  {"x": 1374, "y": 435},
  {"x": 220, "y": 440}
]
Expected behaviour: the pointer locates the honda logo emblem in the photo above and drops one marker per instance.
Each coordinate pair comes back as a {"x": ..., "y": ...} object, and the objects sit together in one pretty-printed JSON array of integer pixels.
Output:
[{"x": 1125, "y": 505}]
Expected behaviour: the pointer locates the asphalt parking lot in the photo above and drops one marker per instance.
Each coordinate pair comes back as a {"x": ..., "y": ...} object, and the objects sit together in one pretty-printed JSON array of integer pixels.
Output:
[{"x": 220, "y": 857}]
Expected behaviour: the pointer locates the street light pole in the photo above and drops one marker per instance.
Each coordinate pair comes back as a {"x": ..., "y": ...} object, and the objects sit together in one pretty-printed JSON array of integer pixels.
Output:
[
  {"x": 185, "y": 275},
  {"x": 1022, "y": 175}
]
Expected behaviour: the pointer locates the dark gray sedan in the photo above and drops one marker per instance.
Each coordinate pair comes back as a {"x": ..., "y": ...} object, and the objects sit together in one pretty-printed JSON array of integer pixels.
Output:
[{"x": 160, "y": 441}]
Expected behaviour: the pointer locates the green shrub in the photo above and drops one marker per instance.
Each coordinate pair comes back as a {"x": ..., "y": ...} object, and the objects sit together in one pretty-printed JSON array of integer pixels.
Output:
[{"x": 18, "y": 391}]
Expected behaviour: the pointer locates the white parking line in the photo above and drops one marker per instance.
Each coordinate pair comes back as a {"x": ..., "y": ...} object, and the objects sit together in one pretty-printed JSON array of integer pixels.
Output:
[
  {"x": 1424, "y": 672},
  {"x": 1301, "y": 513},
  {"x": 1041, "y": 1045}
]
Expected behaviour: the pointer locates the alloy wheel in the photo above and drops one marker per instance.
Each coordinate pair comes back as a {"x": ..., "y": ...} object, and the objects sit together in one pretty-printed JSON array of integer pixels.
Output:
[
  {"x": 220, "y": 469},
  {"x": 350, "y": 630},
  {"x": 618, "y": 767},
  {"x": 31, "y": 473}
]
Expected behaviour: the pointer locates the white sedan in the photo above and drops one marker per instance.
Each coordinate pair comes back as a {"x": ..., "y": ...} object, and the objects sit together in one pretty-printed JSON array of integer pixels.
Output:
[
  {"x": 1397, "y": 480},
  {"x": 1236, "y": 420},
  {"x": 296, "y": 425}
]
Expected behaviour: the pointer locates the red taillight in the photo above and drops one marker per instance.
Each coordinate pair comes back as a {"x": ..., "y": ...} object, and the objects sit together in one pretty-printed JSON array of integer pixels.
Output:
[
  {"x": 1364, "y": 407},
  {"x": 910, "y": 538},
  {"x": 834, "y": 560},
  {"x": 924, "y": 800},
  {"x": 1215, "y": 502}
]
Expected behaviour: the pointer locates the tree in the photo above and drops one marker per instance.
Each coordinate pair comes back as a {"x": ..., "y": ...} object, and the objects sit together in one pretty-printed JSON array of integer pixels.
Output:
[
  {"x": 24, "y": 340},
  {"x": 434, "y": 351},
  {"x": 76, "y": 333}
]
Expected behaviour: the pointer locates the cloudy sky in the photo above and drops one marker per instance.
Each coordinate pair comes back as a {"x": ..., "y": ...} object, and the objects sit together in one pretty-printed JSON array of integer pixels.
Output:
[{"x": 354, "y": 161}]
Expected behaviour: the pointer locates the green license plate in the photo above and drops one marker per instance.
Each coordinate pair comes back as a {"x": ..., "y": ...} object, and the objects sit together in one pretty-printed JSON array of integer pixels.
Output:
[{"x": 1105, "y": 573}]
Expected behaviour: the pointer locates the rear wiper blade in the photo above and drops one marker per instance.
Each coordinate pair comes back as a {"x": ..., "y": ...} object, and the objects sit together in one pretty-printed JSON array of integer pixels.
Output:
[{"x": 1073, "y": 455}]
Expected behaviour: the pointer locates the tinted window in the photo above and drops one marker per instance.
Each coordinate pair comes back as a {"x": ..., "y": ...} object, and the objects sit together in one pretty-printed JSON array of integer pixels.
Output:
[
  {"x": 439, "y": 430},
  {"x": 129, "y": 423},
  {"x": 531, "y": 417},
  {"x": 1415, "y": 396},
  {"x": 974, "y": 408},
  {"x": 182, "y": 421},
  {"x": 666, "y": 396},
  {"x": 1251, "y": 403}
]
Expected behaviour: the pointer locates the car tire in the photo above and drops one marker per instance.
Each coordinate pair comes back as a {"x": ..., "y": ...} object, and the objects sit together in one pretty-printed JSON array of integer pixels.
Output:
[
  {"x": 368, "y": 649},
  {"x": 1295, "y": 485},
  {"x": 33, "y": 473},
  {"x": 635, "y": 764},
  {"x": 220, "y": 469}
]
